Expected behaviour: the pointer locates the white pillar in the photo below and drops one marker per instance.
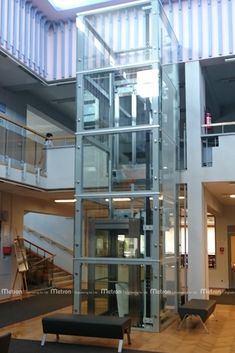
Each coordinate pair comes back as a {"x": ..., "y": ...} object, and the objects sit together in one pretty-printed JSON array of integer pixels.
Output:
[{"x": 197, "y": 210}]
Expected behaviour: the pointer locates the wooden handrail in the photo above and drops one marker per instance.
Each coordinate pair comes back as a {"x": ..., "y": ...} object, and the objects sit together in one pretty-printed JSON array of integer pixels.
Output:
[
  {"x": 39, "y": 247},
  {"x": 7, "y": 118},
  {"x": 40, "y": 262}
]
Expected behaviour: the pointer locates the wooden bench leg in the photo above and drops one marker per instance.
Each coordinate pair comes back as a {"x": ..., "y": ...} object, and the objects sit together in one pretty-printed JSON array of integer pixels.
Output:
[
  {"x": 120, "y": 344},
  {"x": 43, "y": 339},
  {"x": 203, "y": 324},
  {"x": 128, "y": 335},
  {"x": 182, "y": 321},
  {"x": 214, "y": 316}
]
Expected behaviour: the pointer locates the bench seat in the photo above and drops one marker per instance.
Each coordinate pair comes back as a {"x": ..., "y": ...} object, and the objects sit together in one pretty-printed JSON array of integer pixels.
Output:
[
  {"x": 202, "y": 308},
  {"x": 87, "y": 325}
]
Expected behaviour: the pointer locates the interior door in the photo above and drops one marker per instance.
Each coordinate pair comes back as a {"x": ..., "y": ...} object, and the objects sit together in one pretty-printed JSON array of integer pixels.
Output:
[
  {"x": 232, "y": 262},
  {"x": 115, "y": 239}
]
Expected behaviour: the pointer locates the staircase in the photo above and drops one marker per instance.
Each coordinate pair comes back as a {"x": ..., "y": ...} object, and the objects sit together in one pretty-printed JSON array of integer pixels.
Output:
[
  {"x": 43, "y": 273},
  {"x": 61, "y": 278}
]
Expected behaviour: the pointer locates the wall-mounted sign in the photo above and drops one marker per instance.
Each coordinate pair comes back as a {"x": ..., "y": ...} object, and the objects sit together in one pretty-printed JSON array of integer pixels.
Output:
[{"x": 221, "y": 250}]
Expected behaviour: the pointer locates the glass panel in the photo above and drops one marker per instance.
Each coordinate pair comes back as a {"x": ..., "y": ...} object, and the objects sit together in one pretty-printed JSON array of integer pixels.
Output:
[
  {"x": 105, "y": 43},
  {"x": 119, "y": 98},
  {"x": 117, "y": 227},
  {"x": 118, "y": 290},
  {"x": 129, "y": 167},
  {"x": 169, "y": 47},
  {"x": 34, "y": 152},
  {"x": 169, "y": 257},
  {"x": 169, "y": 290},
  {"x": 20, "y": 146},
  {"x": 169, "y": 175},
  {"x": 2, "y": 140},
  {"x": 15, "y": 142}
]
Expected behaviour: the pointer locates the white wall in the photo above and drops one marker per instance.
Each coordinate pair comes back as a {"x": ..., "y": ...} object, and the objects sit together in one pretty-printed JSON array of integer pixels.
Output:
[
  {"x": 197, "y": 245},
  {"x": 57, "y": 228},
  {"x": 60, "y": 167}
]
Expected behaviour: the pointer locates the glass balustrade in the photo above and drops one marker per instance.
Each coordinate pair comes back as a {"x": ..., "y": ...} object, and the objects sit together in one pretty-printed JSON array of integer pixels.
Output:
[{"x": 24, "y": 149}]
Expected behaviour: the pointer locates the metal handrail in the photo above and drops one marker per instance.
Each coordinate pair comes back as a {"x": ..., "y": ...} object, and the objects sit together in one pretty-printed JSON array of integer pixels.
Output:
[
  {"x": 219, "y": 124},
  {"x": 207, "y": 129}
]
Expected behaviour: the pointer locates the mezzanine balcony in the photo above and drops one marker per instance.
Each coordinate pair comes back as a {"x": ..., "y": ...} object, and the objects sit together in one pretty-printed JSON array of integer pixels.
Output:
[
  {"x": 218, "y": 141},
  {"x": 25, "y": 160}
]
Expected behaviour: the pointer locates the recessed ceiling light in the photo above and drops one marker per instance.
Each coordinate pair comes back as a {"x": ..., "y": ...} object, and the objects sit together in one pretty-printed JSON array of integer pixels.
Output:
[
  {"x": 64, "y": 5},
  {"x": 65, "y": 200},
  {"x": 119, "y": 199},
  {"x": 229, "y": 59},
  {"x": 73, "y": 4}
]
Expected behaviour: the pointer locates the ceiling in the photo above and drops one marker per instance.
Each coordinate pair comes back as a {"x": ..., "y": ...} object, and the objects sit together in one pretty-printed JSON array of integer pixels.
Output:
[
  {"x": 37, "y": 193},
  {"x": 221, "y": 191},
  {"x": 220, "y": 87},
  {"x": 33, "y": 192},
  {"x": 57, "y": 100}
]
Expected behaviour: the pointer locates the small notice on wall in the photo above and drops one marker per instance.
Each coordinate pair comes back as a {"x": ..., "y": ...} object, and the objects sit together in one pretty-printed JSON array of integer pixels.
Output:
[{"x": 221, "y": 250}]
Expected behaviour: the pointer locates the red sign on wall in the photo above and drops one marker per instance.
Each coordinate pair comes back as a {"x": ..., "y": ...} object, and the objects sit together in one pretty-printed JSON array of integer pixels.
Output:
[{"x": 221, "y": 250}]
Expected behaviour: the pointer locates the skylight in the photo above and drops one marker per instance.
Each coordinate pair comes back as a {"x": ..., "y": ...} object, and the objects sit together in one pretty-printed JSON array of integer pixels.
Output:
[{"x": 71, "y": 4}]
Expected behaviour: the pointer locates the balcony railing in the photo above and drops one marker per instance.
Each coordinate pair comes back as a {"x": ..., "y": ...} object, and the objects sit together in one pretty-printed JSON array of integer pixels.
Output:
[
  {"x": 210, "y": 138},
  {"x": 22, "y": 147},
  {"x": 218, "y": 128}
]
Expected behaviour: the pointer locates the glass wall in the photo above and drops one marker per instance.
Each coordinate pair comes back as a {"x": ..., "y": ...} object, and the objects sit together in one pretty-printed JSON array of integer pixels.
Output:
[
  {"x": 20, "y": 146},
  {"x": 126, "y": 244}
]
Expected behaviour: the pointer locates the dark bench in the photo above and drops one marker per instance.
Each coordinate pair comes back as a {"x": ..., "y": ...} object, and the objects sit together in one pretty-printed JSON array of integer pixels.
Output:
[
  {"x": 201, "y": 308},
  {"x": 87, "y": 325}
]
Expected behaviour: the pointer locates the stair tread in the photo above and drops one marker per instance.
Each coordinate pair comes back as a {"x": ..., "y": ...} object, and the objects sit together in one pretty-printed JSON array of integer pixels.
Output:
[{"x": 60, "y": 276}]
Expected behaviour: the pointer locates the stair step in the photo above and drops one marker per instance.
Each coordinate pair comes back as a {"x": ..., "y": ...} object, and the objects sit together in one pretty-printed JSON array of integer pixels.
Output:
[
  {"x": 65, "y": 277},
  {"x": 58, "y": 271},
  {"x": 63, "y": 284},
  {"x": 61, "y": 278}
]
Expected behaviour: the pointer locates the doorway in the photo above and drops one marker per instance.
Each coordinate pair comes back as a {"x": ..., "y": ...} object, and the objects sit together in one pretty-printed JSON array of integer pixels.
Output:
[{"x": 231, "y": 257}]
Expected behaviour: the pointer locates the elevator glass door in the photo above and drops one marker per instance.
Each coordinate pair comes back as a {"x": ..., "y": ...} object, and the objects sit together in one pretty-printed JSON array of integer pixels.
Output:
[{"x": 115, "y": 289}]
